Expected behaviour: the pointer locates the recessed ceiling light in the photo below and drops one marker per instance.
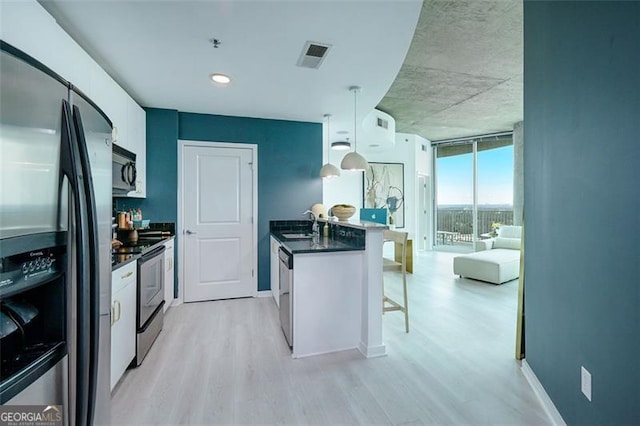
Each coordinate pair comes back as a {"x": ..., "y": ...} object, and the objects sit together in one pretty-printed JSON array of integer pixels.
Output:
[
  {"x": 341, "y": 145},
  {"x": 220, "y": 78}
]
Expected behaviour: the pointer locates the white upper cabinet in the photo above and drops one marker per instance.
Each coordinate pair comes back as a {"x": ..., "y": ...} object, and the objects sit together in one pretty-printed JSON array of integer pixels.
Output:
[
  {"x": 129, "y": 120},
  {"x": 136, "y": 132},
  {"x": 28, "y": 26},
  {"x": 113, "y": 101}
]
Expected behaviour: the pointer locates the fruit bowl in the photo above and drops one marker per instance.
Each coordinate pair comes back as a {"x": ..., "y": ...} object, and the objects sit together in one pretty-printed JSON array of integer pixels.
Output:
[{"x": 343, "y": 211}]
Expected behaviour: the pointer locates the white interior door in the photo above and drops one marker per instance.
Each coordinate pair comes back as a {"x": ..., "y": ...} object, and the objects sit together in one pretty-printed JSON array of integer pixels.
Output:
[{"x": 218, "y": 231}]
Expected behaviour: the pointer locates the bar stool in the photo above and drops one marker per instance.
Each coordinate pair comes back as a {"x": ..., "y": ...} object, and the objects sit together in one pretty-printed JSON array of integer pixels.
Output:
[{"x": 388, "y": 304}]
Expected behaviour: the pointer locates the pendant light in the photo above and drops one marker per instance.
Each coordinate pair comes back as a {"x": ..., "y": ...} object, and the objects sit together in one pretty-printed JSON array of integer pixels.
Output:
[
  {"x": 353, "y": 160},
  {"x": 329, "y": 171}
]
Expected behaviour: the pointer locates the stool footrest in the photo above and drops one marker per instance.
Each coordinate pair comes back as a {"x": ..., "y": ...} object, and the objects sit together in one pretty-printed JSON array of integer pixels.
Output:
[{"x": 395, "y": 305}]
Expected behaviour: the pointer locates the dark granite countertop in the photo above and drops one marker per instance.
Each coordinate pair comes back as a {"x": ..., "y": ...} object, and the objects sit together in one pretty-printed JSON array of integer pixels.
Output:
[
  {"x": 130, "y": 252},
  {"x": 305, "y": 245}
]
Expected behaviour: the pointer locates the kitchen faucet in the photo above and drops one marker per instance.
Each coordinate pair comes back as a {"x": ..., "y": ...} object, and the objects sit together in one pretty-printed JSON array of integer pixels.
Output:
[{"x": 315, "y": 229}]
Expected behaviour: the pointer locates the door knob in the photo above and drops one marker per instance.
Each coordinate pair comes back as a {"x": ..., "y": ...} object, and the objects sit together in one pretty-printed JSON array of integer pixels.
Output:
[{"x": 189, "y": 232}]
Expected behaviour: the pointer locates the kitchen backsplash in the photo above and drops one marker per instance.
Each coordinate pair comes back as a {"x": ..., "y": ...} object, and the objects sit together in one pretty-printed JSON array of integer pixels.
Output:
[
  {"x": 290, "y": 225},
  {"x": 348, "y": 234}
]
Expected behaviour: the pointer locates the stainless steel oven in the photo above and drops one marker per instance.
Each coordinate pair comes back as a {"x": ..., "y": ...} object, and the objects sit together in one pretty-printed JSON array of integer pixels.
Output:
[{"x": 150, "y": 300}]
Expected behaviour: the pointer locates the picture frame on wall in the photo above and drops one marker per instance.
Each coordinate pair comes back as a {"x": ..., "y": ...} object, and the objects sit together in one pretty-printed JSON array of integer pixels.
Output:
[{"x": 383, "y": 187}]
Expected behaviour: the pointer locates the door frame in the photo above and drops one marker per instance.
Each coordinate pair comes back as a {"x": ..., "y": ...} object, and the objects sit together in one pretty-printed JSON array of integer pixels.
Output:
[
  {"x": 182, "y": 145},
  {"x": 423, "y": 224}
]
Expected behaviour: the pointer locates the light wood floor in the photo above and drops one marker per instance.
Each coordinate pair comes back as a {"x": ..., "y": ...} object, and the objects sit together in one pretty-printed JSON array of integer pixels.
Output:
[{"x": 226, "y": 362}]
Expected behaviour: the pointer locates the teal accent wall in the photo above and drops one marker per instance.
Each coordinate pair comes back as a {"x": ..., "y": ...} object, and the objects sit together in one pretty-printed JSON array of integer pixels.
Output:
[
  {"x": 289, "y": 160},
  {"x": 161, "y": 204},
  {"x": 162, "y": 168},
  {"x": 582, "y": 205}
]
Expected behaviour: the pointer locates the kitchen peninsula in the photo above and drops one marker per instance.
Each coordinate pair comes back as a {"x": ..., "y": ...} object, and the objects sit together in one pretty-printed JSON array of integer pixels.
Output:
[{"x": 335, "y": 302}]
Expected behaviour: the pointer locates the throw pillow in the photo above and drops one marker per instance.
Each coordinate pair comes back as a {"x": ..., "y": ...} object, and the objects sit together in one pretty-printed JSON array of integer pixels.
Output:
[
  {"x": 510, "y": 231},
  {"x": 507, "y": 243}
]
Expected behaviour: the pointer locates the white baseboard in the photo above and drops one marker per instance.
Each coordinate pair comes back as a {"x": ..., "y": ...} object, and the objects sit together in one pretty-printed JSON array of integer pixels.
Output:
[
  {"x": 263, "y": 293},
  {"x": 545, "y": 400},
  {"x": 372, "y": 351}
]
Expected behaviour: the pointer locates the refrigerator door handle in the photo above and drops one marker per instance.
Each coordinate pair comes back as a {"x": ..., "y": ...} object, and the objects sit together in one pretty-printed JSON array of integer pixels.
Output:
[
  {"x": 94, "y": 268},
  {"x": 69, "y": 167}
]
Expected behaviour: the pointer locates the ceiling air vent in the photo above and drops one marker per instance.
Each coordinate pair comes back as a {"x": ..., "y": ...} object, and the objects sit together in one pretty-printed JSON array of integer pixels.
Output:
[
  {"x": 313, "y": 54},
  {"x": 378, "y": 131}
]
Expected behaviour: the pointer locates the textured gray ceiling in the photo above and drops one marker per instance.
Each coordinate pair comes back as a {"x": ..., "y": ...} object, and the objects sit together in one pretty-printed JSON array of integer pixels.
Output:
[{"x": 463, "y": 73}]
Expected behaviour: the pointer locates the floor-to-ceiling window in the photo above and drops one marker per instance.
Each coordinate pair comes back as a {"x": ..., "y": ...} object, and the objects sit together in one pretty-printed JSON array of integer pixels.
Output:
[
  {"x": 495, "y": 185},
  {"x": 474, "y": 188},
  {"x": 454, "y": 194}
]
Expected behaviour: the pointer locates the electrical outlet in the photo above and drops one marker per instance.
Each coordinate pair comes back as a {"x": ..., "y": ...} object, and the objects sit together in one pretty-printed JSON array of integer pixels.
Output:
[{"x": 585, "y": 382}]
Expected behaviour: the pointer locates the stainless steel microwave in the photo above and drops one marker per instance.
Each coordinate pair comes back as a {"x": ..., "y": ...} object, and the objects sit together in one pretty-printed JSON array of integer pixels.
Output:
[{"x": 124, "y": 171}]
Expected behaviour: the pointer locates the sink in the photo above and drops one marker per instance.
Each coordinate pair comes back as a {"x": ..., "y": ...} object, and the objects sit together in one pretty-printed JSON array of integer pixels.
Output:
[{"x": 298, "y": 236}]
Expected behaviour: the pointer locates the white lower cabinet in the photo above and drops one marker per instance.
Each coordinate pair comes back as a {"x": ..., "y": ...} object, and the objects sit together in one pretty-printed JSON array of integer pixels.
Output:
[
  {"x": 168, "y": 274},
  {"x": 327, "y": 302},
  {"x": 275, "y": 271},
  {"x": 123, "y": 319}
]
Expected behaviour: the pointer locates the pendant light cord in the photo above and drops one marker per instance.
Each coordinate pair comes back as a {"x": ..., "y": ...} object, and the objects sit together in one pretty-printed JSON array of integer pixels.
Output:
[
  {"x": 328, "y": 135},
  {"x": 355, "y": 131}
]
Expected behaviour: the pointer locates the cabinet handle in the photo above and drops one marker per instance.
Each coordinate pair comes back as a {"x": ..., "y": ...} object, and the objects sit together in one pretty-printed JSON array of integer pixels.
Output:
[
  {"x": 119, "y": 311},
  {"x": 127, "y": 275},
  {"x": 113, "y": 313}
]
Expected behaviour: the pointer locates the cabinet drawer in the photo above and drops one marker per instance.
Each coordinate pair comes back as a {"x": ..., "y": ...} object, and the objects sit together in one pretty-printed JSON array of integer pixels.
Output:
[{"x": 123, "y": 276}]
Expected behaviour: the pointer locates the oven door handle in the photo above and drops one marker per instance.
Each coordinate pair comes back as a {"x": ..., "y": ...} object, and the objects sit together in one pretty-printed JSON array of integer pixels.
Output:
[{"x": 151, "y": 254}]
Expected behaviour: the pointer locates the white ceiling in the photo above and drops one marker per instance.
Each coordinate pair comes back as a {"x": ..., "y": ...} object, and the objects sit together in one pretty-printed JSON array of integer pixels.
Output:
[{"x": 159, "y": 51}]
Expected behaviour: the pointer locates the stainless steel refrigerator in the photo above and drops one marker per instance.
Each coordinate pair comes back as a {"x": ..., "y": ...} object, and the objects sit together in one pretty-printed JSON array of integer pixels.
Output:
[{"x": 55, "y": 242}]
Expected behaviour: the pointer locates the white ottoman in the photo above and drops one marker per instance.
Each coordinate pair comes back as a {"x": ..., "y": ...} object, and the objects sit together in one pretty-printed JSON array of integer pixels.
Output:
[{"x": 495, "y": 266}]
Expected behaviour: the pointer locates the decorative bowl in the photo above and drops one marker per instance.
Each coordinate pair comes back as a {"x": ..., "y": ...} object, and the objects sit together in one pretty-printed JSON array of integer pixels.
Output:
[{"x": 343, "y": 211}]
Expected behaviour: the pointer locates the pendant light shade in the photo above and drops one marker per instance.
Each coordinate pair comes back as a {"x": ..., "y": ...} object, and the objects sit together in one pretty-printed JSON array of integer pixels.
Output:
[
  {"x": 353, "y": 160},
  {"x": 329, "y": 171}
]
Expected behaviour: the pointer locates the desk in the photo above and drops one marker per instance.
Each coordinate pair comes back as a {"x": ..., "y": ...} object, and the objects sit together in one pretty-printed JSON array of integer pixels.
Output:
[{"x": 447, "y": 235}]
